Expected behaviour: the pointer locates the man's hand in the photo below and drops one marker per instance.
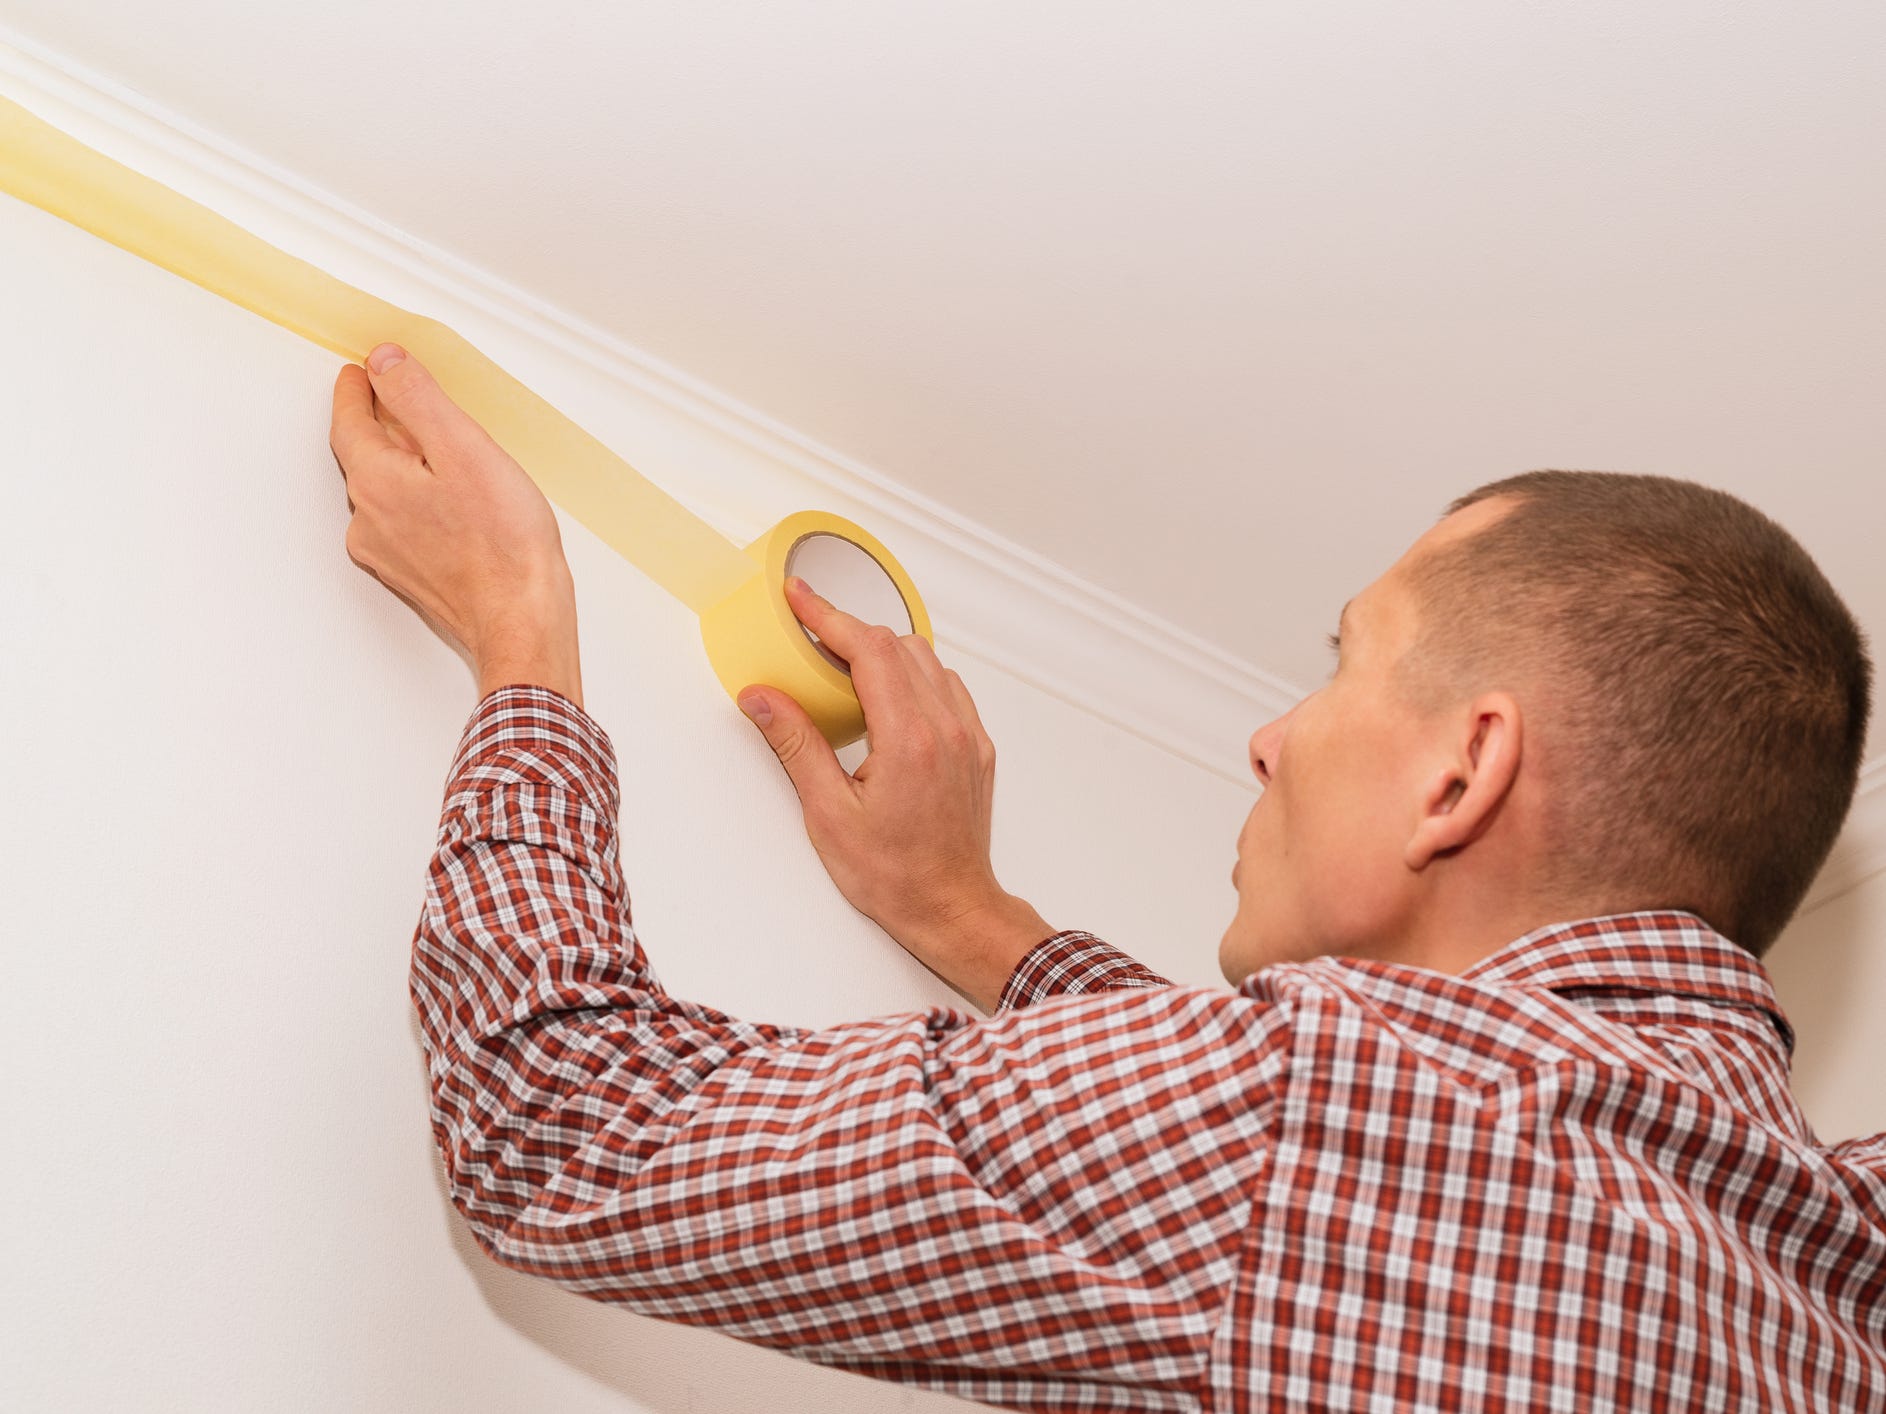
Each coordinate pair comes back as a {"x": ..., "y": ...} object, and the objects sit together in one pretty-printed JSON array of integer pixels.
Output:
[
  {"x": 447, "y": 520},
  {"x": 906, "y": 836}
]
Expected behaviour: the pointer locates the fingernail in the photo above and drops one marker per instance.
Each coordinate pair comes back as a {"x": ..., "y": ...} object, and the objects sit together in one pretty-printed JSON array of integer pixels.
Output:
[
  {"x": 384, "y": 357},
  {"x": 798, "y": 584},
  {"x": 756, "y": 707}
]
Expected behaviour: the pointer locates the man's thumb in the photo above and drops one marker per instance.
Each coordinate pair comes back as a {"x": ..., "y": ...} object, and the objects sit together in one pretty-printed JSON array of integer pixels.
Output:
[
  {"x": 415, "y": 398},
  {"x": 801, "y": 747}
]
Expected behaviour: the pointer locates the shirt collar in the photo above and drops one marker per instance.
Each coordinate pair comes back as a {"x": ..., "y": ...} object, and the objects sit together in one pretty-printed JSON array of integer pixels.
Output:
[{"x": 1674, "y": 953}]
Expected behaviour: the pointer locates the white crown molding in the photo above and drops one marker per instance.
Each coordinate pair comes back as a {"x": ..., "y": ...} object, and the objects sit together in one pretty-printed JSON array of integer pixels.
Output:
[
  {"x": 1860, "y": 852},
  {"x": 736, "y": 468}
]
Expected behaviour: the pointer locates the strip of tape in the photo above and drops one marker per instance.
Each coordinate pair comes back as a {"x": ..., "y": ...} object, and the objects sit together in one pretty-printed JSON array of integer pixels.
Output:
[{"x": 750, "y": 633}]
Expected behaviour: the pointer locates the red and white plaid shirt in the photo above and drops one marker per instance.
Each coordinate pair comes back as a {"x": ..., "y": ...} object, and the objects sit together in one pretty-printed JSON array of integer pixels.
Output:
[{"x": 1572, "y": 1177}]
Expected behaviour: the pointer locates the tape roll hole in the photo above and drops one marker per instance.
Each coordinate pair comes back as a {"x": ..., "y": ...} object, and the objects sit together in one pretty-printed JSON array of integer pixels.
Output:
[{"x": 847, "y": 575}]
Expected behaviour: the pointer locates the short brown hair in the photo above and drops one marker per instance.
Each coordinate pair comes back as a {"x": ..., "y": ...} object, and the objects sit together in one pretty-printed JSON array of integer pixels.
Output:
[{"x": 1705, "y": 688}]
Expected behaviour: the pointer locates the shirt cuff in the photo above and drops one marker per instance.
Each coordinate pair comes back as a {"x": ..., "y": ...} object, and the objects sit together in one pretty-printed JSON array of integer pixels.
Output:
[
  {"x": 529, "y": 734},
  {"x": 1073, "y": 962}
]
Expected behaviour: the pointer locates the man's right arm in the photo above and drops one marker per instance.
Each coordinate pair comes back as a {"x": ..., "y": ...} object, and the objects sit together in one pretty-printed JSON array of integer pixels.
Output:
[
  {"x": 906, "y": 837},
  {"x": 1008, "y": 957}
]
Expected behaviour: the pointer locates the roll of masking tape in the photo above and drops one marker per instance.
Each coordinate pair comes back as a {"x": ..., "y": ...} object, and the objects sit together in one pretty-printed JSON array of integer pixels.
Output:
[{"x": 751, "y": 634}]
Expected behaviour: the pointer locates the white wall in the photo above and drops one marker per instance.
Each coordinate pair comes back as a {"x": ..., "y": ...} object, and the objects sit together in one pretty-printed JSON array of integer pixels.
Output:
[
  {"x": 226, "y": 752},
  {"x": 1830, "y": 971}
]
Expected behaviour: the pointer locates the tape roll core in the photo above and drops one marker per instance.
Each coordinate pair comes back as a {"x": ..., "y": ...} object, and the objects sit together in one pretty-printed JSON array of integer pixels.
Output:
[{"x": 845, "y": 573}]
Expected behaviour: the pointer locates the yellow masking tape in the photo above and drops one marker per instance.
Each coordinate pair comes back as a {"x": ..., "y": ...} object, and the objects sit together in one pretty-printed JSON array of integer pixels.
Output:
[{"x": 750, "y": 632}]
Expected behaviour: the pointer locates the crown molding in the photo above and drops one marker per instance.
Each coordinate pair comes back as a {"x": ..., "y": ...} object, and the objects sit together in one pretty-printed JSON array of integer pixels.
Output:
[
  {"x": 734, "y": 467},
  {"x": 1860, "y": 852}
]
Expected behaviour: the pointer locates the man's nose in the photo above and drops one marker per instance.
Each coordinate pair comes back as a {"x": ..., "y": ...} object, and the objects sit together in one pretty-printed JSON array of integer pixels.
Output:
[{"x": 1266, "y": 745}]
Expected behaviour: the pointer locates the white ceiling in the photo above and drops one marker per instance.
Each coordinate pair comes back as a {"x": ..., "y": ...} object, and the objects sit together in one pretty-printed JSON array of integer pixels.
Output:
[{"x": 1214, "y": 304}]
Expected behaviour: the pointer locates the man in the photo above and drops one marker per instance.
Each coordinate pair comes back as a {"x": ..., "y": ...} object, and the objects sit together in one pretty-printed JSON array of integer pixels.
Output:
[{"x": 1498, "y": 1113}]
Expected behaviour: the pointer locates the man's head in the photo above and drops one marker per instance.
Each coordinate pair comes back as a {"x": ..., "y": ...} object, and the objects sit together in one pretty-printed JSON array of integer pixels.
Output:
[{"x": 1579, "y": 693}]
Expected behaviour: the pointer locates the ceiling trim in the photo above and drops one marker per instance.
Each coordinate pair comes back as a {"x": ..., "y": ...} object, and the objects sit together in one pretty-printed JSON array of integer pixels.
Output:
[
  {"x": 1860, "y": 852},
  {"x": 988, "y": 596}
]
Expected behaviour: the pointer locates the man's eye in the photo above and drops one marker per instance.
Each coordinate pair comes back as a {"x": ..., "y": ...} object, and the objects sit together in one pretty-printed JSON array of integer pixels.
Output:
[{"x": 1335, "y": 643}]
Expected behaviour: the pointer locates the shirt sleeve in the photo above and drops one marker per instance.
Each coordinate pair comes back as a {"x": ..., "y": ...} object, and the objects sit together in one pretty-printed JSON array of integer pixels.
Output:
[
  {"x": 1071, "y": 964},
  {"x": 1043, "y": 1209}
]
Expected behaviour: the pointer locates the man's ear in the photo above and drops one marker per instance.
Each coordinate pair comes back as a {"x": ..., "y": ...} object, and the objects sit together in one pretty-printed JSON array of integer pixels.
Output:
[{"x": 1460, "y": 800}]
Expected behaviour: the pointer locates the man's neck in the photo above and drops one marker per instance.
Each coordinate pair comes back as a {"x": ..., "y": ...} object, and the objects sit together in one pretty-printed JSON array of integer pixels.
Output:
[{"x": 1453, "y": 940}]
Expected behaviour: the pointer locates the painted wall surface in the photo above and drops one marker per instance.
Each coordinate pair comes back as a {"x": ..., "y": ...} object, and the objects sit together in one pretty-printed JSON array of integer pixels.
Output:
[
  {"x": 226, "y": 749},
  {"x": 227, "y": 753},
  {"x": 1830, "y": 971}
]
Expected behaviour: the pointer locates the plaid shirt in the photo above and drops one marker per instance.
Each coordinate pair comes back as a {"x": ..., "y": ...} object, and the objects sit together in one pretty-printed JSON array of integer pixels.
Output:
[{"x": 1572, "y": 1177}]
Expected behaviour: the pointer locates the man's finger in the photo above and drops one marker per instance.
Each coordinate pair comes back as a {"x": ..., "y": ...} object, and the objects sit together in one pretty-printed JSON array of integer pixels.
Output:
[
  {"x": 355, "y": 432},
  {"x": 952, "y": 696},
  {"x": 966, "y": 708},
  {"x": 801, "y": 747},
  {"x": 890, "y": 687},
  {"x": 839, "y": 631},
  {"x": 925, "y": 658},
  {"x": 421, "y": 405}
]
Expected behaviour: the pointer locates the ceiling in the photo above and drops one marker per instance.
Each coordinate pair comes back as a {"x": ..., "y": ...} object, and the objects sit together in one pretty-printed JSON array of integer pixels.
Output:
[{"x": 1216, "y": 305}]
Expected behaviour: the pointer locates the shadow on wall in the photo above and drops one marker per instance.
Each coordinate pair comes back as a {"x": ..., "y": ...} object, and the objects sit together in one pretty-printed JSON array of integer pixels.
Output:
[
  {"x": 611, "y": 1346},
  {"x": 663, "y": 1367}
]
